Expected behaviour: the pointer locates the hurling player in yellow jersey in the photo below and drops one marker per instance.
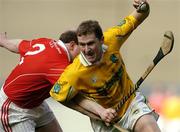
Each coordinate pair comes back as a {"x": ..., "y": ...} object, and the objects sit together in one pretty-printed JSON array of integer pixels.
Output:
[{"x": 99, "y": 74}]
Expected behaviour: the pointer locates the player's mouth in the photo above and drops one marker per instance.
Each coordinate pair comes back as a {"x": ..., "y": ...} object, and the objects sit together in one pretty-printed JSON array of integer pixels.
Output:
[{"x": 90, "y": 57}]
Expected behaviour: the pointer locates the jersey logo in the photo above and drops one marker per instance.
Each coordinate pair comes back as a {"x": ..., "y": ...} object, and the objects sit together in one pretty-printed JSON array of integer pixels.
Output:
[
  {"x": 113, "y": 58},
  {"x": 56, "y": 88},
  {"x": 122, "y": 22},
  {"x": 94, "y": 79}
]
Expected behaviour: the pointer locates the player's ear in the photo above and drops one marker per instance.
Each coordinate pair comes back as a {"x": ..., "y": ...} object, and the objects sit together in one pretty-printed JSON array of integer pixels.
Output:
[
  {"x": 71, "y": 45},
  {"x": 102, "y": 40}
]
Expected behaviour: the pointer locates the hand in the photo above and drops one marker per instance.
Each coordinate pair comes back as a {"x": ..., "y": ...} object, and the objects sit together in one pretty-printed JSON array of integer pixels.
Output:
[
  {"x": 136, "y": 3},
  {"x": 141, "y": 6},
  {"x": 108, "y": 115},
  {"x": 3, "y": 37}
]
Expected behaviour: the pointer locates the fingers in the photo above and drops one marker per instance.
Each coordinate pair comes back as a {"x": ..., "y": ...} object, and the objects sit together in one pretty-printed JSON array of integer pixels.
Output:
[
  {"x": 107, "y": 124},
  {"x": 108, "y": 116},
  {"x": 112, "y": 113},
  {"x": 136, "y": 3},
  {"x": 3, "y": 35},
  {"x": 140, "y": 1}
]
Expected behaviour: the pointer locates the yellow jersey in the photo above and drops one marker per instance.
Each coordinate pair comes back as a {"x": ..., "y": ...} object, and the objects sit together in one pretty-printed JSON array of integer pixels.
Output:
[{"x": 106, "y": 82}]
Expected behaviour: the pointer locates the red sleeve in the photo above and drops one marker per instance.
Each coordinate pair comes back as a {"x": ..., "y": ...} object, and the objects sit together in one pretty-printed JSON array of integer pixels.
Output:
[{"x": 24, "y": 46}]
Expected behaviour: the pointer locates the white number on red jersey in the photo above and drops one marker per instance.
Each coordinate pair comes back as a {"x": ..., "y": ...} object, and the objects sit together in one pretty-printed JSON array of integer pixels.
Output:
[{"x": 40, "y": 48}]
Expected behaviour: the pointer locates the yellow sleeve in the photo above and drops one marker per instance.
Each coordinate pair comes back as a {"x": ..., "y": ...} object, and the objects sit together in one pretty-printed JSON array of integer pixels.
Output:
[
  {"x": 114, "y": 37},
  {"x": 62, "y": 91},
  {"x": 67, "y": 85}
]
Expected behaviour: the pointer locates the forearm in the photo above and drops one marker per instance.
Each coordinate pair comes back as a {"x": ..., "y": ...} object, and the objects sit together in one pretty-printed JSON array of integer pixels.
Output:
[
  {"x": 94, "y": 110},
  {"x": 89, "y": 105},
  {"x": 75, "y": 106},
  {"x": 11, "y": 45}
]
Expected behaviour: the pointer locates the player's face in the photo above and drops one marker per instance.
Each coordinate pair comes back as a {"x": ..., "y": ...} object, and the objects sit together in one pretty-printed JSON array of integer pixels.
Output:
[{"x": 91, "y": 47}]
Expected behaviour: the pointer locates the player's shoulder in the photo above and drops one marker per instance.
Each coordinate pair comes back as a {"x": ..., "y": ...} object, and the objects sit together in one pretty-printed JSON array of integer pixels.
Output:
[
  {"x": 76, "y": 62},
  {"x": 42, "y": 39},
  {"x": 75, "y": 66}
]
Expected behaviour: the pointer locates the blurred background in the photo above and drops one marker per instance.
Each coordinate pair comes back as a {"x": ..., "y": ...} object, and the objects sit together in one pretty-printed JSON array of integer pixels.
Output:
[{"x": 29, "y": 19}]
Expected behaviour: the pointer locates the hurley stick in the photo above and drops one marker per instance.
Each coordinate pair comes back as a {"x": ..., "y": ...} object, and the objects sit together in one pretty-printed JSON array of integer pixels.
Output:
[{"x": 166, "y": 48}]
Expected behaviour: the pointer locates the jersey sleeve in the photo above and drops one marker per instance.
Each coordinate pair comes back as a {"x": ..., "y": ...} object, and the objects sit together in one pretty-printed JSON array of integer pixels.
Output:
[
  {"x": 62, "y": 91},
  {"x": 114, "y": 37},
  {"x": 24, "y": 46}
]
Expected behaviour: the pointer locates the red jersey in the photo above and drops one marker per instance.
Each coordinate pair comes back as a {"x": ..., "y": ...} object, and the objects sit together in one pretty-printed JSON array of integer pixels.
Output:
[{"x": 41, "y": 63}]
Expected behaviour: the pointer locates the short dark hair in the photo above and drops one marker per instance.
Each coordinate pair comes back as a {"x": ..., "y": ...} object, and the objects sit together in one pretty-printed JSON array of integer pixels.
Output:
[
  {"x": 89, "y": 27},
  {"x": 69, "y": 36}
]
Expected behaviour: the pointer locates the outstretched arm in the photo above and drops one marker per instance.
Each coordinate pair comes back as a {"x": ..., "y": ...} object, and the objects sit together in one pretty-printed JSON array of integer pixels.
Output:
[{"x": 11, "y": 45}]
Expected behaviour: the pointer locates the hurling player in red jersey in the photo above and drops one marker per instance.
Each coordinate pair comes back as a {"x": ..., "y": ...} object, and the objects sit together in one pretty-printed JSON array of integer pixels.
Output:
[{"x": 22, "y": 105}]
